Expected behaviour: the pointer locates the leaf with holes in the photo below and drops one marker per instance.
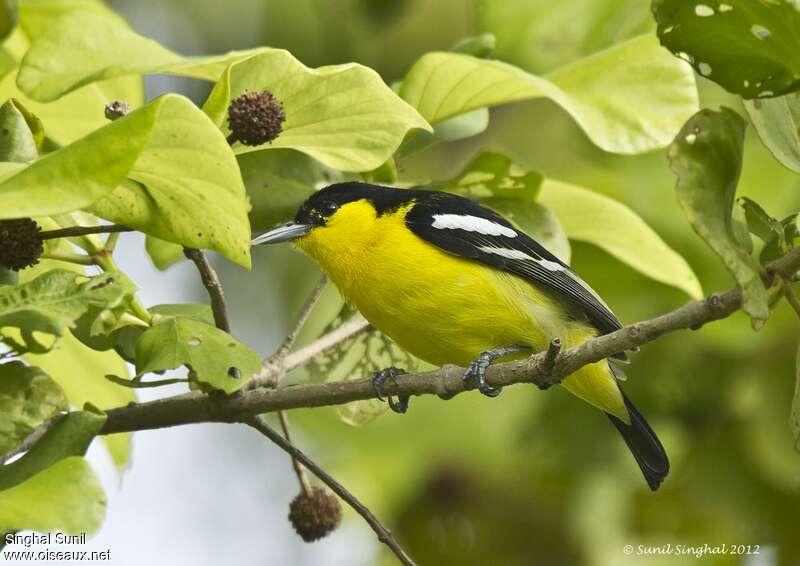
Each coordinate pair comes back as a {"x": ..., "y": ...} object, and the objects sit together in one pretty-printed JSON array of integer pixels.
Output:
[
  {"x": 629, "y": 98},
  {"x": 28, "y": 397},
  {"x": 777, "y": 121},
  {"x": 749, "y": 47},
  {"x": 145, "y": 171},
  {"x": 706, "y": 157},
  {"x": 208, "y": 351},
  {"x": 56, "y": 299}
]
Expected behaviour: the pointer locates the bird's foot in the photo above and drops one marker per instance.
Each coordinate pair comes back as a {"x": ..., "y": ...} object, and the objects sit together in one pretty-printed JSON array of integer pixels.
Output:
[
  {"x": 379, "y": 378},
  {"x": 475, "y": 375}
]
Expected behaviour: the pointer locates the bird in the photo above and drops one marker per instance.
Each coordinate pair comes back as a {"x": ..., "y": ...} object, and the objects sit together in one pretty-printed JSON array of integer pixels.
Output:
[{"x": 453, "y": 282}]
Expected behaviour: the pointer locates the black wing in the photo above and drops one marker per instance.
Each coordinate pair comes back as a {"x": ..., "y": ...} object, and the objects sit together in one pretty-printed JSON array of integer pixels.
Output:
[{"x": 464, "y": 228}]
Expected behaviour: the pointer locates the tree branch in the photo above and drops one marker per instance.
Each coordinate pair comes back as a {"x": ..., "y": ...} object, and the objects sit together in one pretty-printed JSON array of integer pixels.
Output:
[
  {"x": 194, "y": 407},
  {"x": 383, "y": 533},
  {"x": 213, "y": 286},
  {"x": 73, "y": 231}
]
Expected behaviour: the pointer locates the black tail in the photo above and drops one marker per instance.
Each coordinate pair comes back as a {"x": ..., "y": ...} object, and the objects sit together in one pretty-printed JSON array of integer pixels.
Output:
[{"x": 644, "y": 445}]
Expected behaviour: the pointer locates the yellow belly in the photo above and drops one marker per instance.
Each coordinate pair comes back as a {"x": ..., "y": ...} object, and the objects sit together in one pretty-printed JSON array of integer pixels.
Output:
[{"x": 445, "y": 309}]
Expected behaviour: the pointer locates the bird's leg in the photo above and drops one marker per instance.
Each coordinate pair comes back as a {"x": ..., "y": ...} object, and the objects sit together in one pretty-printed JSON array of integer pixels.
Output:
[
  {"x": 380, "y": 377},
  {"x": 476, "y": 372}
]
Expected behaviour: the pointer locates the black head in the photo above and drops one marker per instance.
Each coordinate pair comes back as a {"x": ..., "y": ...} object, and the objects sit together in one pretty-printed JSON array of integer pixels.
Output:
[{"x": 324, "y": 203}]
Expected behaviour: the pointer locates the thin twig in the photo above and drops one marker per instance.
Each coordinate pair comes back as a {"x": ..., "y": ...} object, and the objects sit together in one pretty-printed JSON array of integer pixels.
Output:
[
  {"x": 383, "y": 533},
  {"x": 271, "y": 371},
  {"x": 195, "y": 408},
  {"x": 551, "y": 356},
  {"x": 276, "y": 361},
  {"x": 354, "y": 325},
  {"x": 78, "y": 259},
  {"x": 299, "y": 471},
  {"x": 74, "y": 231},
  {"x": 213, "y": 286},
  {"x": 291, "y": 337},
  {"x": 111, "y": 242}
]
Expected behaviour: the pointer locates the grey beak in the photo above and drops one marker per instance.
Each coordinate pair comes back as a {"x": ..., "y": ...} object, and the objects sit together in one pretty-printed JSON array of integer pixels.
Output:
[{"x": 285, "y": 233}]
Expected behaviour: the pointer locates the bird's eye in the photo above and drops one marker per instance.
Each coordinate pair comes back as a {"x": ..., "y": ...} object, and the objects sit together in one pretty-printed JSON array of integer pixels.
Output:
[{"x": 329, "y": 207}]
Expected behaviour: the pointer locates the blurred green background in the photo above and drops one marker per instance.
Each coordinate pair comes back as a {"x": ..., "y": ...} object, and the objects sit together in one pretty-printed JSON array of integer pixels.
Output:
[{"x": 536, "y": 477}]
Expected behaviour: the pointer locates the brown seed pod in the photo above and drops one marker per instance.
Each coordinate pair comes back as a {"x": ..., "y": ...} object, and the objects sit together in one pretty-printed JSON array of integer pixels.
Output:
[
  {"x": 20, "y": 243},
  {"x": 314, "y": 516},
  {"x": 256, "y": 117}
]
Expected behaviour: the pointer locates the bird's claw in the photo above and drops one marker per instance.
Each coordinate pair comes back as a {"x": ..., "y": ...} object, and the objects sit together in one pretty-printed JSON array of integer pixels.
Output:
[
  {"x": 476, "y": 376},
  {"x": 379, "y": 378}
]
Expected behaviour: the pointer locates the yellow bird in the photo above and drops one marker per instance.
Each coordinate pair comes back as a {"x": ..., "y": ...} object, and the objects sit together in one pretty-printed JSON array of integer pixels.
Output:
[{"x": 453, "y": 282}]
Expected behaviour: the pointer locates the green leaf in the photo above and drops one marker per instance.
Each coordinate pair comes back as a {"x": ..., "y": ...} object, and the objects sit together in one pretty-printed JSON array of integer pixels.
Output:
[
  {"x": 9, "y": 16},
  {"x": 540, "y": 35},
  {"x": 452, "y": 129},
  {"x": 615, "y": 228},
  {"x": 494, "y": 175},
  {"x": 197, "y": 311},
  {"x": 278, "y": 182},
  {"x": 758, "y": 221},
  {"x": 176, "y": 160},
  {"x": 57, "y": 298},
  {"x": 163, "y": 254},
  {"x": 63, "y": 55},
  {"x": 210, "y": 352},
  {"x": 17, "y": 142},
  {"x": 481, "y": 46},
  {"x": 794, "y": 421},
  {"x": 79, "y": 371},
  {"x": 66, "y": 497},
  {"x": 66, "y": 56},
  {"x": 69, "y": 436},
  {"x": 343, "y": 115},
  {"x": 706, "y": 156},
  {"x": 51, "y": 487},
  {"x": 80, "y": 112},
  {"x": 630, "y": 98},
  {"x": 28, "y": 397},
  {"x": 777, "y": 121},
  {"x": 749, "y": 47}
]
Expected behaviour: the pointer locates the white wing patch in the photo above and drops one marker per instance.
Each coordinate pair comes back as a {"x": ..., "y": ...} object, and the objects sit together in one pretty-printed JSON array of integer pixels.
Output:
[
  {"x": 520, "y": 255},
  {"x": 551, "y": 265},
  {"x": 472, "y": 224},
  {"x": 507, "y": 253}
]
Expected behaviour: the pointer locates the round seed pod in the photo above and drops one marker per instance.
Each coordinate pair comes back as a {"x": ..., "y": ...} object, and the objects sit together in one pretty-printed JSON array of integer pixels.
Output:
[
  {"x": 20, "y": 243},
  {"x": 315, "y": 515},
  {"x": 256, "y": 117}
]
